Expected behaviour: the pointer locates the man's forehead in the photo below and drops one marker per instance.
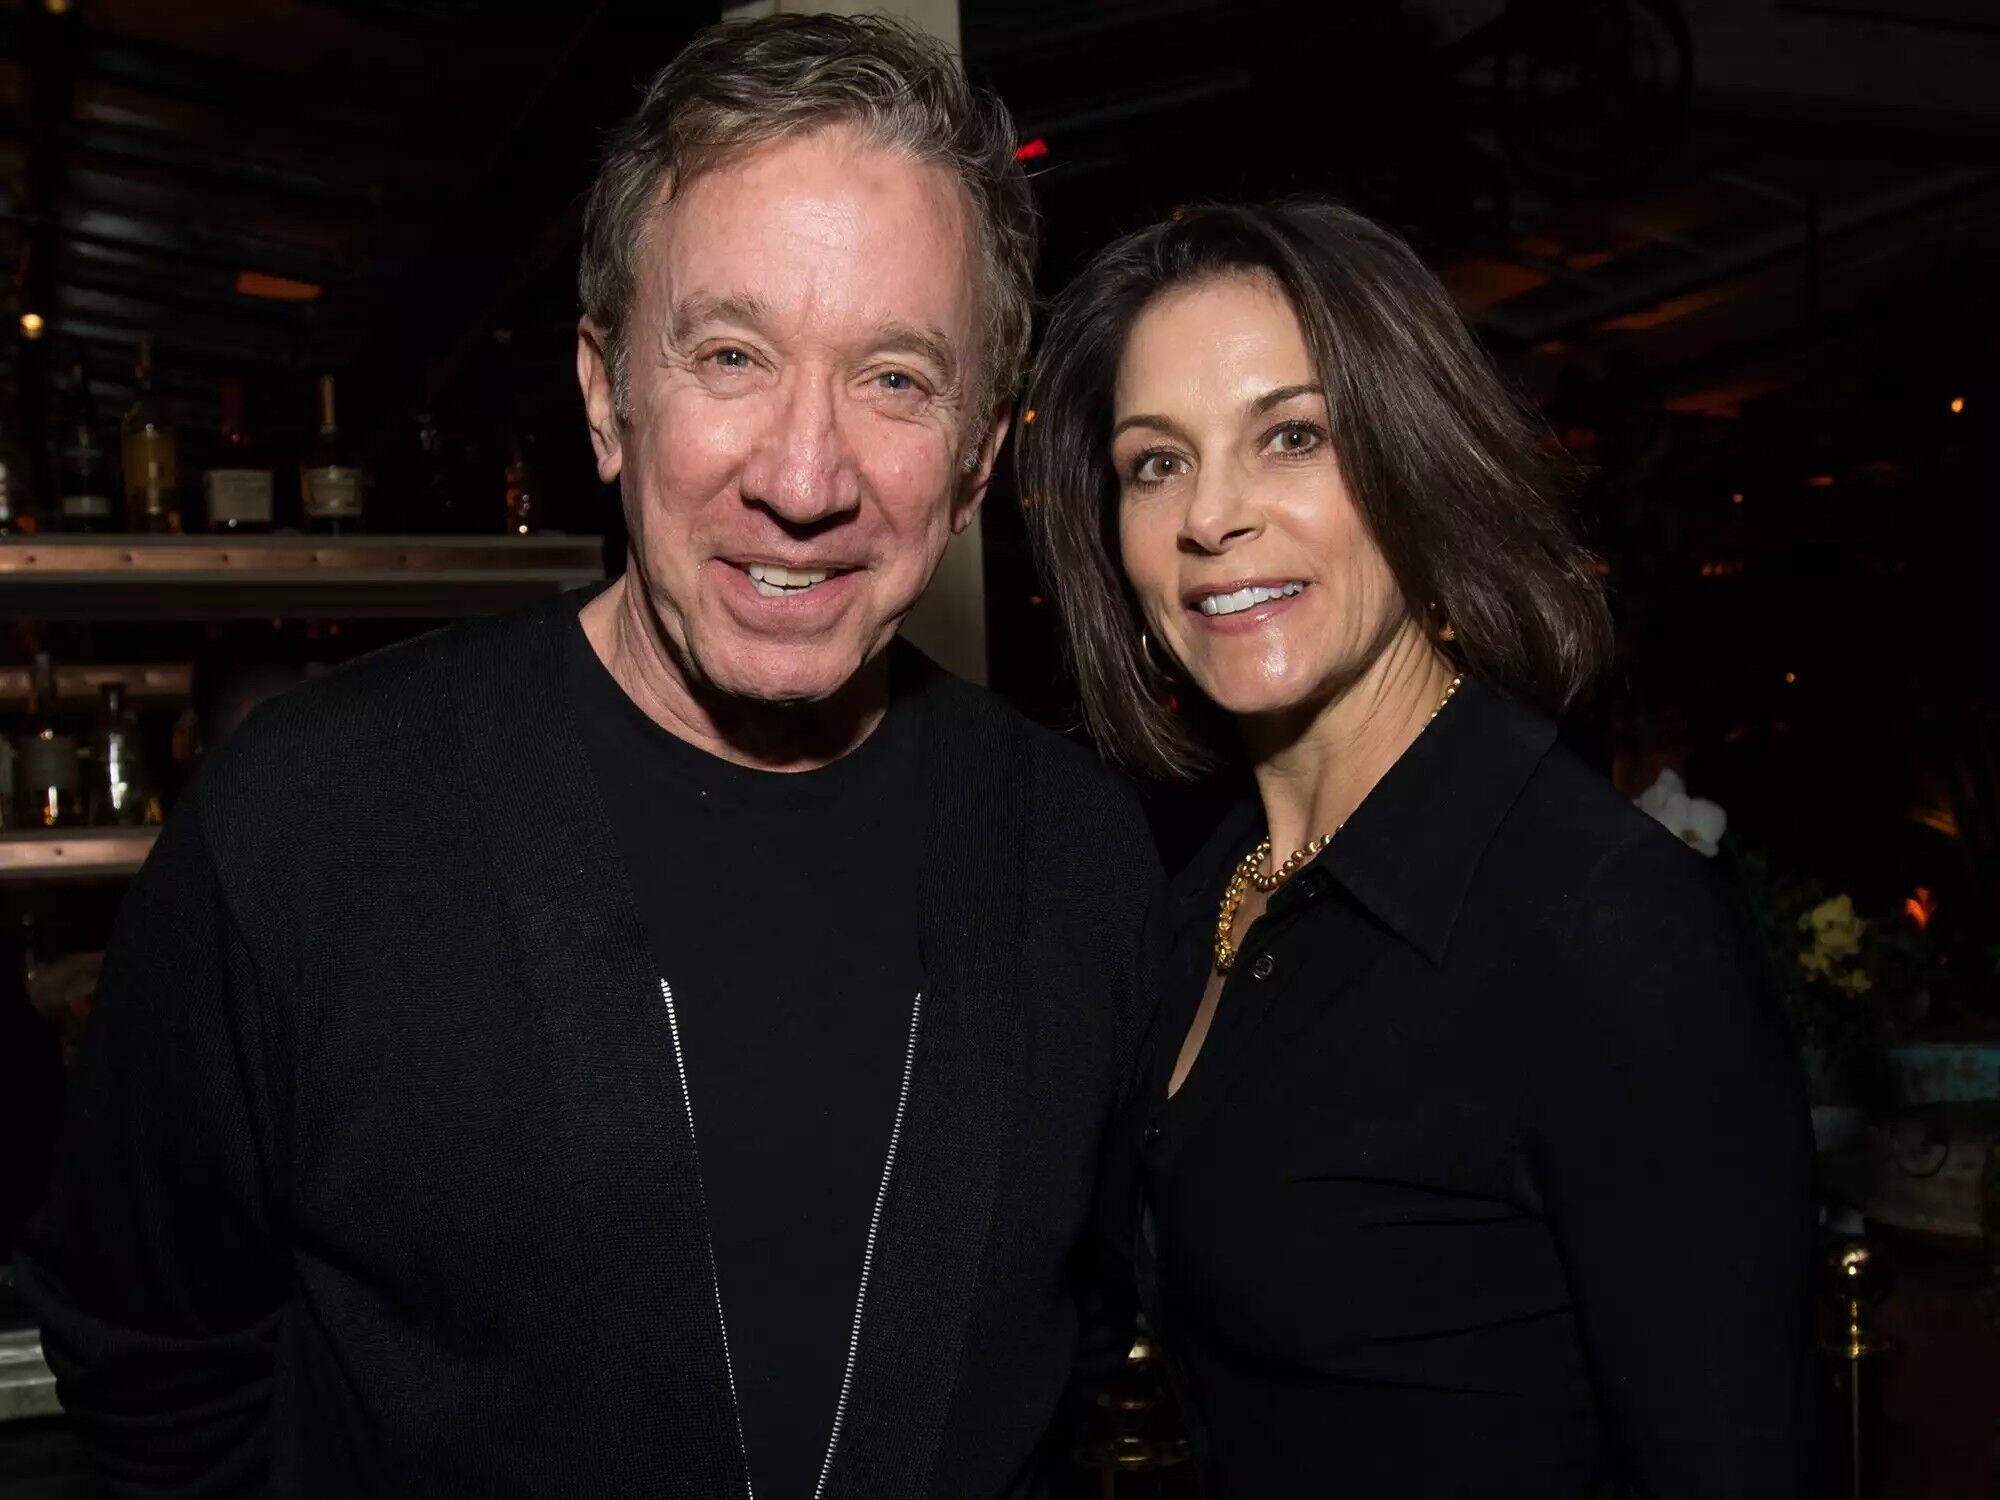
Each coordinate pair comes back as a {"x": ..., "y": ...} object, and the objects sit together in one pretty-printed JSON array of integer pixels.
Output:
[{"x": 825, "y": 218}]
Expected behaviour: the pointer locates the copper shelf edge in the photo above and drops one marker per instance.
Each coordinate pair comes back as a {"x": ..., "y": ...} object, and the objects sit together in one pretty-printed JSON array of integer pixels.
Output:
[{"x": 80, "y": 851}]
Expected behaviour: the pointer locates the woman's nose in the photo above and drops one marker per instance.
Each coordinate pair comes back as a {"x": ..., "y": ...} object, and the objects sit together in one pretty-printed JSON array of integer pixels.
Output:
[{"x": 1222, "y": 514}]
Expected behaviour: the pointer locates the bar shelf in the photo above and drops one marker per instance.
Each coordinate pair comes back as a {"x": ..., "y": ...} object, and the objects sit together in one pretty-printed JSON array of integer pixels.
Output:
[
  {"x": 285, "y": 576},
  {"x": 75, "y": 853}
]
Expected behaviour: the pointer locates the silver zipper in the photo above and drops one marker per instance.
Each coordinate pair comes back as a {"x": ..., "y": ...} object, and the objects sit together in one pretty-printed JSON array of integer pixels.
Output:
[
  {"x": 867, "y": 1255},
  {"x": 714, "y": 1277}
]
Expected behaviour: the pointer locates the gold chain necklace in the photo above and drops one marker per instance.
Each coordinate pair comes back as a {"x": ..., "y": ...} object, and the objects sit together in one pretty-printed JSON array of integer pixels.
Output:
[{"x": 1250, "y": 869}]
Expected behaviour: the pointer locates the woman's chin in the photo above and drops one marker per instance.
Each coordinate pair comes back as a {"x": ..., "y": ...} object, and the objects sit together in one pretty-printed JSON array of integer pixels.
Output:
[{"x": 1252, "y": 699}]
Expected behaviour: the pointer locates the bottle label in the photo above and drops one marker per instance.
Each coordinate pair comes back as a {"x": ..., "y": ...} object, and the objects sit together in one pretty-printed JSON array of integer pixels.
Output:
[
  {"x": 149, "y": 466},
  {"x": 48, "y": 761},
  {"x": 239, "y": 495},
  {"x": 86, "y": 507},
  {"x": 333, "y": 493}
]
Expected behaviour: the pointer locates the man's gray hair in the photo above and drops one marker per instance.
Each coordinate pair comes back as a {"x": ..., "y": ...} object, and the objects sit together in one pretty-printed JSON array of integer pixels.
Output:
[{"x": 743, "y": 84}]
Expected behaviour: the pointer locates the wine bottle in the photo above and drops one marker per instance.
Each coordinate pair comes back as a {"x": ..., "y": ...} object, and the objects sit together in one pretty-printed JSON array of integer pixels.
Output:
[
  {"x": 239, "y": 486},
  {"x": 17, "y": 505},
  {"x": 87, "y": 477},
  {"x": 149, "y": 455},
  {"x": 120, "y": 789},
  {"x": 524, "y": 500},
  {"x": 51, "y": 778},
  {"x": 329, "y": 480}
]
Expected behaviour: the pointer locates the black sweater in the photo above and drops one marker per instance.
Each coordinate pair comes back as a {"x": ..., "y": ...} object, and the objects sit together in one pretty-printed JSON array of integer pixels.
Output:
[{"x": 377, "y": 1177}]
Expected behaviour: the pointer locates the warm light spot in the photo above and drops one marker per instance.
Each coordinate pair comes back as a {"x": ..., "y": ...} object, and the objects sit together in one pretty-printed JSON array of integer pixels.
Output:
[
  {"x": 1670, "y": 311},
  {"x": 276, "y": 288},
  {"x": 1036, "y": 600},
  {"x": 1029, "y": 502},
  {"x": 32, "y": 325},
  {"x": 1027, "y": 416},
  {"x": 1957, "y": 405},
  {"x": 1737, "y": 498},
  {"x": 1791, "y": 677},
  {"x": 1030, "y": 150},
  {"x": 1921, "y": 907},
  {"x": 57, "y": 7},
  {"x": 1820, "y": 482}
]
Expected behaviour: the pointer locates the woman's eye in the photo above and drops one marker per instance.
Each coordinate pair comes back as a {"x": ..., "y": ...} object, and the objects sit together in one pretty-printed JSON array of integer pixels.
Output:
[
  {"x": 1295, "y": 437},
  {"x": 1154, "y": 468}
]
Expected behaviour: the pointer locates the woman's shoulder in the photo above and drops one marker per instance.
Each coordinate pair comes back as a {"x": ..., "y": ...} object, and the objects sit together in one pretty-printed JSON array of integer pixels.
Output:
[{"x": 1596, "y": 874}]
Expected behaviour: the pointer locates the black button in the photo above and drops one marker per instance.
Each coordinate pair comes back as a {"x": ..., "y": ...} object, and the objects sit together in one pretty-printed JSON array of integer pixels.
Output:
[
  {"x": 1150, "y": 1135},
  {"x": 1264, "y": 967}
]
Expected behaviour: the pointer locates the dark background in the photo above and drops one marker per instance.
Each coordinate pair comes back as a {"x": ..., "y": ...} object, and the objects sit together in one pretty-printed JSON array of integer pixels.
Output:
[{"x": 1741, "y": 253}]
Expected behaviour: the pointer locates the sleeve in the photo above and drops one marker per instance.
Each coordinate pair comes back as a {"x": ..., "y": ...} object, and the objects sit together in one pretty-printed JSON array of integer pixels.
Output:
[
  {"x": 153, "y": 1266},
  {"x": 1674, "y": 1154},
  {"x": 1109, "y": 1303}
]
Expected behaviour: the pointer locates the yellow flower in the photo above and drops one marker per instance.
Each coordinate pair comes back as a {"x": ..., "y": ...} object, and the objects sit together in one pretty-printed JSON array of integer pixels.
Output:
[
  {"x": 1835, "y": 927},
  {"x": 1856, "y": 982},
  {"x": 1813, "y": 961}
]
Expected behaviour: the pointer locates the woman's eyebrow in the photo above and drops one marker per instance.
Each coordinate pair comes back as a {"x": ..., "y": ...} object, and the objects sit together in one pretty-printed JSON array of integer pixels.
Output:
[{"x": 1282, "y": 394}]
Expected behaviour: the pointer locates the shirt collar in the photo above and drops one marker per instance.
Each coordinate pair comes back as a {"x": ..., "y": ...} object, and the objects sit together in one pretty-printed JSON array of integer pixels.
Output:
[{"x": 1409, "y": 852}]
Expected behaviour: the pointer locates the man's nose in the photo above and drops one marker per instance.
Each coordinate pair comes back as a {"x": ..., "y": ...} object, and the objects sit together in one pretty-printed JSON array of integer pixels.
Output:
[{"x": 802, "y": 470}]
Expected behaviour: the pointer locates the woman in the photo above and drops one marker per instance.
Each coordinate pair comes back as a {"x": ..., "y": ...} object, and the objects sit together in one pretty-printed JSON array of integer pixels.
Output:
[{"x": 1466, "y": 1156}]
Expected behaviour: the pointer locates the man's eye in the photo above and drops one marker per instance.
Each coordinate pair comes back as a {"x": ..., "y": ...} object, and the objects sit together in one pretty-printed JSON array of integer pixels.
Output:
[
  {"x": 895, "y": 380},
  {"x": 730, "y": 359}
]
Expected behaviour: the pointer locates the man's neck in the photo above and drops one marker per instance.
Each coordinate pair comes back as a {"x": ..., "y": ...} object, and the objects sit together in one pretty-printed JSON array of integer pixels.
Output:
[
  {"x": 1314, "y": 771},
  {"x": 632, "y": 643}
]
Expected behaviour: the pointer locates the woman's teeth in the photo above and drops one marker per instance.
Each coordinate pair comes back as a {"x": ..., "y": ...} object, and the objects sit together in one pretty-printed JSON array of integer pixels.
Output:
[
  {"x": 1250, "y": 598},
  {"x": 774, "y": 582}
]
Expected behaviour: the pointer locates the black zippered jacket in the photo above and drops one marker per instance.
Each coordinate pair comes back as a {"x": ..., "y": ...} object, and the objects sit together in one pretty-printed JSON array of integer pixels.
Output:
[{"x": 376, "y": 1177}]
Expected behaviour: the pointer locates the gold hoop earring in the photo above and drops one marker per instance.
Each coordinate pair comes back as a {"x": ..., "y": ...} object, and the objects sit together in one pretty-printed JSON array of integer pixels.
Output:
[{"x": 1146, "y": 650}]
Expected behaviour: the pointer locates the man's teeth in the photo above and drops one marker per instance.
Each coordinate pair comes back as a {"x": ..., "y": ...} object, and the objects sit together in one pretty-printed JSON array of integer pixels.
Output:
[
  {"x": 774, "y": 582},
  {"x": 1250, "y": 598}
]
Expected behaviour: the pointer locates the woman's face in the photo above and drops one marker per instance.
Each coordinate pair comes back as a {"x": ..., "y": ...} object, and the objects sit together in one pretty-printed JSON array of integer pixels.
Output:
[{"x": 1248, "y": 556}]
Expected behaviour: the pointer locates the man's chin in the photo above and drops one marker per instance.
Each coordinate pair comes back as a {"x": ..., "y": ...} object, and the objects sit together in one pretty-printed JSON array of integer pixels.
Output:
[{"x": 797, "y": 676}]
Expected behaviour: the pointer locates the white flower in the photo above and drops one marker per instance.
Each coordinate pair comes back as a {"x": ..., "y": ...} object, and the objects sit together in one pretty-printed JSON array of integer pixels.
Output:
[{"x": 1695, "y": 821}]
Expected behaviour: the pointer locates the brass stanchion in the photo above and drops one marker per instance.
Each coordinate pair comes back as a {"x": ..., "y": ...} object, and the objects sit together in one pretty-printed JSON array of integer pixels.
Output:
[
  {"x": 1137, "y": 1430},
  {"x": 1857, "y": 1278}
]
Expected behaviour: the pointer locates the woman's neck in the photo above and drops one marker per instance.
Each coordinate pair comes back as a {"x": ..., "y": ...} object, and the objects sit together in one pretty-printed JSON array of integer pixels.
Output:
[{"x": 1313, "y": 769}]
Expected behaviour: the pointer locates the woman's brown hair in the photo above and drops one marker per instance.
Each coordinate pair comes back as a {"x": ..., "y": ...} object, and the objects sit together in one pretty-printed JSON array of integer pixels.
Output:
[{"x": 1446, "y": 467}]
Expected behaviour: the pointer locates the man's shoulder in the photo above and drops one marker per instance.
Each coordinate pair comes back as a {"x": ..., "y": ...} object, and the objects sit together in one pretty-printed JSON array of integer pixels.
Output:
[
  {"x": 363, "y": 727},
  {"x": 1058, "y": 766}
]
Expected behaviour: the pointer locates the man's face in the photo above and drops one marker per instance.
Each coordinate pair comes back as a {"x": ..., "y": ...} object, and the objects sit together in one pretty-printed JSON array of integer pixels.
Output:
[{"x": 803, "y": 351}]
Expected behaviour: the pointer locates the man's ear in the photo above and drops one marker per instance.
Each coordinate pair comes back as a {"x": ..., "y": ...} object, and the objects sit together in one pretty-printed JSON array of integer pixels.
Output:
[
  {"x": 600, "y": 403},
  {"x": 979, "y": 471}
]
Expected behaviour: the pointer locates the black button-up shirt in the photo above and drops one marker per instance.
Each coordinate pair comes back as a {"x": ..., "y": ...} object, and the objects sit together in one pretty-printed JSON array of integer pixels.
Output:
[{"x": 1493, "y": 1174}]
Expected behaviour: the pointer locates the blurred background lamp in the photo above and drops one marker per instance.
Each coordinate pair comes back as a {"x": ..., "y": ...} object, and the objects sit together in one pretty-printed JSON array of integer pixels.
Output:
[{"x": 32, "y": 325}]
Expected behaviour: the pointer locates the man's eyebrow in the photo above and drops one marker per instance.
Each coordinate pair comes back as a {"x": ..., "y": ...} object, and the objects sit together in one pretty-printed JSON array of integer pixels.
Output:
[
  {"x": 694, "y": 312},
  {"x": 932, "y": 344}
]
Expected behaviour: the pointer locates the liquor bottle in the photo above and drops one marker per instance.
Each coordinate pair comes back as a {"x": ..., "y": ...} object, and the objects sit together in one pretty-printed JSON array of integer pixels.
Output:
[
  {"x": 524, "y": 490},
  {"x": 238, "y": 487},
  {"x": 87, "y": 478},
  {"x": 438, "y": 507},
  {"x": 17, "y": 505},
  {"x": 51, "y": 778},
  {"x": 329, "y": 481},
  {"x": 149, "y": 455},
  {"x": 120, "y": 789}
]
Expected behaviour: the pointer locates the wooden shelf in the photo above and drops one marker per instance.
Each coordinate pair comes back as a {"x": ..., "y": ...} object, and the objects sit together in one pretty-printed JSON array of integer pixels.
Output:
[
  {"x": 75, "y": 853},
  {"x": 280, "y": 576},
  {"x": 27, "y": 1388},
  {"x": 143, "y": 681}
]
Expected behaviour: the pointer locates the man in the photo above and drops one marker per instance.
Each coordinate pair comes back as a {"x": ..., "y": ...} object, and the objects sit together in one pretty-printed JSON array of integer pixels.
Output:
[{"x": 656, "y": 1045}]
